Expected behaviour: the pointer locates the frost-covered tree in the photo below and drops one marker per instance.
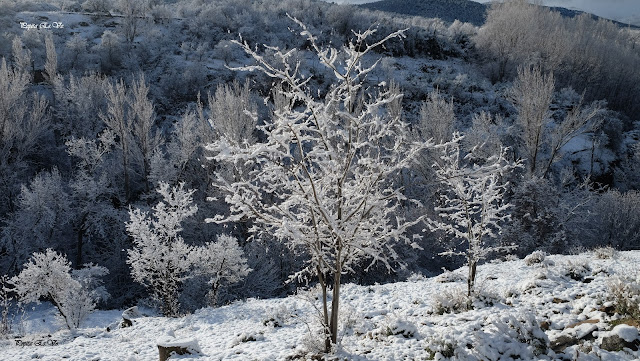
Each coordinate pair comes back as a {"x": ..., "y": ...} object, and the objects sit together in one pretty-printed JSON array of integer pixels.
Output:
[
  {"x": 542, "y": 138},
  {"x": 48, "y": 276},
  {"x": 472, "y": 206},
  {"x": 111, "y": 50},
  {"x": 517, "y": 32},
  {"x": 146, "y": 139},
  {"x": 42, "y": 216},
  {"x": 531, "y": 94},
  {"x": 78, "y": 100},
  {"x": 23, "y": 124},
  {"x": 178, "y": 161},
  {"x": 118, "y": 121},
  {"x": 485, "y": 135},
  {"x": 323, "y": 181},
  {"x": 160, "y": 258},
  {"x": 437, "y": 118},
  {"x": 95, "y": 219},
  {"x": 75, "y": 49},
  {"x": 21, "y": 57},
  {"x": 233, "y": 113},
  {"x": 580, "y": 119},
  {"x": 97, "y": 6},
  {"x": 51, "y": 64},
  {"x": 222, "y": 262},
  {"x": 133, "y": 13}
]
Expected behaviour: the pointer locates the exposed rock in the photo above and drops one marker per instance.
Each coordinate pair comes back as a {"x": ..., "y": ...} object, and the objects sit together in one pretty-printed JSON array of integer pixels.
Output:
[
  {"x": 609, "y": 309},
  {"x": 617, "y": 343},
  {"x": 128, "y": 315},
  {"x": 559, "y": 300},
  {"x": 168, "y": 346},
  {"x": 562, "y": 342},
  {"x": 574, "y": 334},
  {"x": 545, "y": 325},
  {"x": 166, "y": 352}
]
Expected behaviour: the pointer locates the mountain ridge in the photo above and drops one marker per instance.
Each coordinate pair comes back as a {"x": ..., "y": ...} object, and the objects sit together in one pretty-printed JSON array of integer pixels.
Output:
[{"x": 463, "y": 10}]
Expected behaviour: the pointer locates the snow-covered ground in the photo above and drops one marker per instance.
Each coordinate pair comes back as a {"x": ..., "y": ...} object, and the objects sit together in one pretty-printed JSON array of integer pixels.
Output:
[{"x": 524, "y": 312}]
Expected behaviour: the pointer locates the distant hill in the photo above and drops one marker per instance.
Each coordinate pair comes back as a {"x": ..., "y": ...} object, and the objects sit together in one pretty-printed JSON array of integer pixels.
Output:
[
  {"x": 447, "y": 10},
  {"x": 573, "y": 13},
  {"x": 450, "y": 10}
]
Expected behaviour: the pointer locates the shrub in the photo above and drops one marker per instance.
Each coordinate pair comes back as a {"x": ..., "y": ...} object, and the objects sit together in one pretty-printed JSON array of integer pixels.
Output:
[
  {"x": 394, "y": 326},
  {"x": 625, "y": 294},
  {"x": 577, "y": 270},
  {"x": 484, "y": 298},
  {"x": 451, "y": 301},
  {"x": 48, "y": 276},
  {"x": 607, "y": 252},
  {"x": 450, "y": 277},
  {"x": 536, "y": 257},
  {"x": 500, "y": 336},
  {"x": 502, "y": 330}
]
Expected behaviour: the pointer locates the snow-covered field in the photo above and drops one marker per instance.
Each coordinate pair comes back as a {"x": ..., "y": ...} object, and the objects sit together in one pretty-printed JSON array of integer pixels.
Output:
[{"x": 524, "y": 312}]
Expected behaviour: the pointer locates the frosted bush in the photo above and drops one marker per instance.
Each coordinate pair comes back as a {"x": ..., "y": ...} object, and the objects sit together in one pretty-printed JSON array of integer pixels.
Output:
[
  {"x": 48, "y": 276},
  {"x": 450, "y": 277},
  {"x": 536, "y": 257},
  {"x": 277, "y": 317},
  {"x": 482, "y": 297},
  {"x": 625, "y": 294},
  {"x": 454, "y": 300},
  {"x": 394, "y": 326},
  {"x": 505, "y": 334},
  {"x": 607, "y": 252},
  {"x": 577, "y": 270},
  {"x": 499, "y": 336}
]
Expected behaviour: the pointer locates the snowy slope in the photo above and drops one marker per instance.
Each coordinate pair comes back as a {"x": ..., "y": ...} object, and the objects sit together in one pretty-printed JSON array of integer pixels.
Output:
[{"x": 385, "y": 322}]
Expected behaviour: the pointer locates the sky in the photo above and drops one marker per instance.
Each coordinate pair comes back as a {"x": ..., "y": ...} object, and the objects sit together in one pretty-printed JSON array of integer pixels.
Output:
[{"x": 626, "y": 11}]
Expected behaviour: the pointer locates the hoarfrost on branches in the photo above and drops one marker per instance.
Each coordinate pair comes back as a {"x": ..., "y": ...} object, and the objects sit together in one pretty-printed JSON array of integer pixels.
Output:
[
  {"x": 323, "y": 181},
  {"x": 472, "y": 207},
  {"x": 74, "y": 293}
]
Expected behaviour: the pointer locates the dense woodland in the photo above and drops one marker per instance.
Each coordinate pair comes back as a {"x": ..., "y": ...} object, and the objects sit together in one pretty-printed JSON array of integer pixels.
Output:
[{"x": 128, "y": 142}]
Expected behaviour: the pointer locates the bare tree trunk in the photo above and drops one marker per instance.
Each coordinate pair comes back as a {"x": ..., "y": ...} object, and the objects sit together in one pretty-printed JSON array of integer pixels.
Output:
[
  {"x": 335, "y": 300},
  {"x": 325, "y": 311},
  {"x": 472, "y": 277}
]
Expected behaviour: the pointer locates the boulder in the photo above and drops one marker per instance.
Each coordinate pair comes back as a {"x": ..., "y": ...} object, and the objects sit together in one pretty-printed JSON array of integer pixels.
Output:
[
  {"x": 128, "y": 315},
  {"x": 622, "y": 336},
  {"x": 169, "y": 346}
]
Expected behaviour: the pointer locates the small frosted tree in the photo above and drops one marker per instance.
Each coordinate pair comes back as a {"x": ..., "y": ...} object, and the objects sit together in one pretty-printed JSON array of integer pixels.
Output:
[
  {"x": 324, "y": 180},
  {"x": 41, "y": 218},
  {"x": 21, "y": 57},
  {"x": 531, "y": 94},
  {"x": 51, "y": 64},
  {"x": 24, "y": 122},
  {"x": 159, "y": 259},
  {"x": 223, "y": 262},
  {"x": 49, "y": 276},
  {"x": 117, "y": 119},
  {"x": 472, "y": 208},
  {"x": 146, "y": 139}
]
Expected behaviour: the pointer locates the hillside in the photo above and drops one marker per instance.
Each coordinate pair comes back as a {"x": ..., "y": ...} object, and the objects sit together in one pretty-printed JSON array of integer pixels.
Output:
[
  {"x": 448, "y": 10},
  {"x": 553, "y": 310},
  {"x": 207, "y": 162},
  {"x": 463, "y": 10}
]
